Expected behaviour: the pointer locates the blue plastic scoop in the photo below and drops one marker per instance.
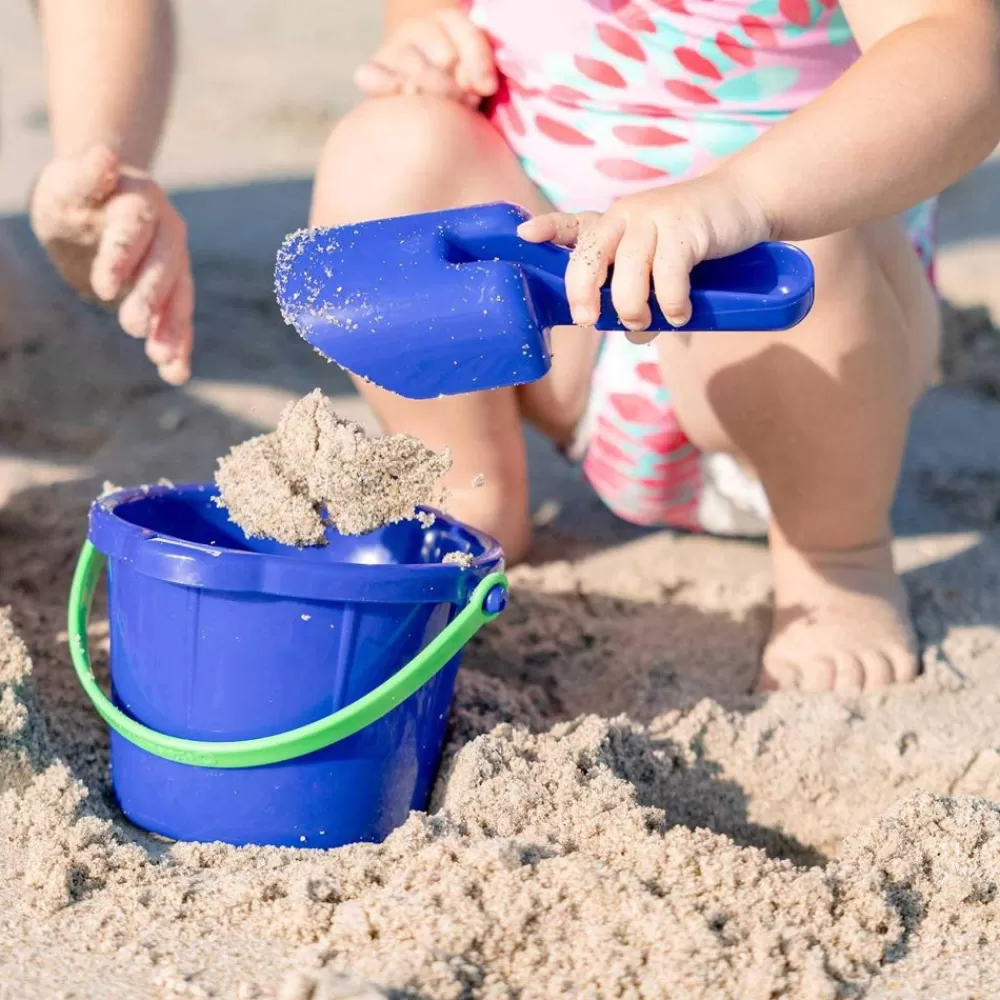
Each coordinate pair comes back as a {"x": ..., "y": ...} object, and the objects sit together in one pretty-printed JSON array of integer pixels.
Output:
[{"x": 451, "y": 302}]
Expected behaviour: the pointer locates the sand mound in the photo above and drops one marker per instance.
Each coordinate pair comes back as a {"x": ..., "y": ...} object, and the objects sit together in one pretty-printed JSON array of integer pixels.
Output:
[
  {"x": 318, "y": 469},
  {"x": 590, "y": 857}
]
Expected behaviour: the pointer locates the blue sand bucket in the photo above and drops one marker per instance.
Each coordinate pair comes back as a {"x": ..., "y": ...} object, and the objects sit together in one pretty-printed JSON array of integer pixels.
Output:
[{"x": 263, "y": 694}]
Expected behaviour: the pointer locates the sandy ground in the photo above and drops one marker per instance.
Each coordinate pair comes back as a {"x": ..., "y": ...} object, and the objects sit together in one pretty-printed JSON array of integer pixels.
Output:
[{"x": 632, "y": 822}]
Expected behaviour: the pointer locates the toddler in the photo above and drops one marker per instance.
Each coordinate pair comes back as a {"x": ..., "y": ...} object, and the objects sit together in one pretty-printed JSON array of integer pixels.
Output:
[{"x": 653, "y": 134}]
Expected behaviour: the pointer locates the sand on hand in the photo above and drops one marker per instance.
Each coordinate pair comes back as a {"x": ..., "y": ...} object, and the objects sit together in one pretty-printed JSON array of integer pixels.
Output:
[{"x": 318, "y": 469}]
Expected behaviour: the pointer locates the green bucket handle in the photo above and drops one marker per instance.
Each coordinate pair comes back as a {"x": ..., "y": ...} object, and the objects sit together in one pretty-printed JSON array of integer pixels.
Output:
[{"x": 296, "y": 742}]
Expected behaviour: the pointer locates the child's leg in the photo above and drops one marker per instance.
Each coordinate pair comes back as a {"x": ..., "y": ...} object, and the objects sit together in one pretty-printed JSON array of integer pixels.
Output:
[
  {"x": 397, "y": 156},
  {"x": 820, "y": 413}
]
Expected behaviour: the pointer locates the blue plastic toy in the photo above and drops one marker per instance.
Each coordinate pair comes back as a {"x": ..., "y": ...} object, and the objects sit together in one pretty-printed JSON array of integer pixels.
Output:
[
  {"x": 268, "y": 695},
  {"x": 451, "y": 302}
]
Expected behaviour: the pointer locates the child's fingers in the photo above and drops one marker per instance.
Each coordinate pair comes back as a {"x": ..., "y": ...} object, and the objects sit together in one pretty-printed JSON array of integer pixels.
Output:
[
  {"x": 157, "y": 275},
  {"x": 161, "y": 341},
  {"x": 415, "y": 75},
  {"x": 376, "y": 80},
  {"x": 176, "y": 331},
  {"x": 476, "y": 70},
  {"x": 129, "y": 226},
  {"x": 630, "y": 281},
  {"x": 672, "y": 265},
  {"x": 387, "y": 71},
  {"x": 420, "y": 76},
  {"x": 588, "y": 270},
  {"x": 556, "y": 227},
  {"x": 432, "y": 39}
]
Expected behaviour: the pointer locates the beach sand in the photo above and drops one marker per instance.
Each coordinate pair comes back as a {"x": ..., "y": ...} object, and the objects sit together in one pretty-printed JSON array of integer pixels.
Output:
[{"x": 617, "y": 815}]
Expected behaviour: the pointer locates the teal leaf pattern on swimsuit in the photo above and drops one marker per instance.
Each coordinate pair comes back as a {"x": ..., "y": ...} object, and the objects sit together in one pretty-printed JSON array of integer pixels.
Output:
[
  {"x": 764, "y": 8},
  {"x": 674, "y": 160},
  {"x": 710, "y": 50},
  {"x": 668, "y": 36},
  {"x": 724, "y": 138},
  {"x": 838, "y": 30},
  {"x": 757, "y": 85}
]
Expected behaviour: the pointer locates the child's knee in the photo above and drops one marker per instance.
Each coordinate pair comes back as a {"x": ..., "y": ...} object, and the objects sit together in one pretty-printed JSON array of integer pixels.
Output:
[{"x": 395, "y": 155}]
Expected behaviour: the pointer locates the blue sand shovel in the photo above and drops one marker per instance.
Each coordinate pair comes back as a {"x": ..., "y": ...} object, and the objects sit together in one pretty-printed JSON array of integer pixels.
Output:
[{"x": 455, "y": 301}]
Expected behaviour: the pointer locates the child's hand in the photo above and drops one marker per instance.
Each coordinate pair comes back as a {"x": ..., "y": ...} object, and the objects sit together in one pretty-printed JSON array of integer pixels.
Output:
[
  {"x": 442, "y": 54},
  {"x": 659, "y": 235},
  {"x": 112, "y": 234}
]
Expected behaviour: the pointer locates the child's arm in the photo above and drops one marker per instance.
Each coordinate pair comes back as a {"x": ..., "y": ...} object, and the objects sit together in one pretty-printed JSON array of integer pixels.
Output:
[
  {"x": 109, "y": 65},
  {"x": 107, "y": 226},
  {"x": 918, "y": 110}
]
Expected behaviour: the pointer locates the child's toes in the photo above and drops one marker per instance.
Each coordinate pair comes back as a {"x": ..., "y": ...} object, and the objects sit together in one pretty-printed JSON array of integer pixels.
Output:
[
  {"x": 841, "y": 622},
  {"x": 877, "y": 670}
]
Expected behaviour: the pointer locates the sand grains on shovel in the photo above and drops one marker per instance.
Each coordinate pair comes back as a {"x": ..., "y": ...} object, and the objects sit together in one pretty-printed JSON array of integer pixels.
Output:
[{"x": 319, "y": 469}]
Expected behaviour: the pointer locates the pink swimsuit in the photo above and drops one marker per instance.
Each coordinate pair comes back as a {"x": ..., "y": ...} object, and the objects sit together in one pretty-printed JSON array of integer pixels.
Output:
[{"x": 602, "y": 98}]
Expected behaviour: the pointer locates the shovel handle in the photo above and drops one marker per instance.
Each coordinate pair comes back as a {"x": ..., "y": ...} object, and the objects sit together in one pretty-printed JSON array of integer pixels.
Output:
[{"x": 770, "y": 286}]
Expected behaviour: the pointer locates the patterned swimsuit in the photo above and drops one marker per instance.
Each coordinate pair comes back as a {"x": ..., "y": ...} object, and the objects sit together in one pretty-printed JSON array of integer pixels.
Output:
[{"x": 603, "y": 98}]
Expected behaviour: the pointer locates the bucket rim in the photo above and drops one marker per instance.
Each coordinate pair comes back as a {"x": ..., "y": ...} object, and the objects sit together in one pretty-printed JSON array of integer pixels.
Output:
[
  {"x": 488, "y": 600},
  {"x": 281, "y": 574}
]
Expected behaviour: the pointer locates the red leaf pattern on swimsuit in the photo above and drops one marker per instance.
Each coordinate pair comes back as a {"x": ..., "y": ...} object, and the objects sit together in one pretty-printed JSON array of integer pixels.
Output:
[
  {"x": 621, "y": 42},
  {"x": 758, "y": 31},
  {"x": 637, "y": 19},
  {"x": 636, "y": 409},
  {"x": 690, "y": 92},
  {"x": 569, "y": 96},
  {"x": 610, "y": 451},
  {"x": 667, "y": 441},
  {"x": 667, "y": 489},
  {"x": 560, "y": 132},
  {"x": 734, "y": 49},
  {"x": 696, "y": 63},
  {"x": 598, "y": 71},
  {"x": 515, "y": 120},
  {"x": 797, "y": 12},
  {"x": 646, "y": 135},
  {"x": 647, "y": 111},
  {"x": 629, "y": 170},
  {"x": 606, "y": 479},
  {"x": 649, "y": 372},
  {"x": 613, "y": 432}
]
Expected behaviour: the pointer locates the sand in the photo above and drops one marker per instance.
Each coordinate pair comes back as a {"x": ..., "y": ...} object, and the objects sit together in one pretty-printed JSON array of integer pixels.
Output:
[
  {"x": 601, "y": 827},
  {"x": 787, "y": 847},
  {"x": 318, "y": 469},
  {"x": 616, "y": 816}
]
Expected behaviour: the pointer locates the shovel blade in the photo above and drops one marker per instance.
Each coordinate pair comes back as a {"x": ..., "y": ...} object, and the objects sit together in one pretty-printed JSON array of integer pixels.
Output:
[
  {"x": 451, "y": 302},
  {"x": 399, "y": 303}
]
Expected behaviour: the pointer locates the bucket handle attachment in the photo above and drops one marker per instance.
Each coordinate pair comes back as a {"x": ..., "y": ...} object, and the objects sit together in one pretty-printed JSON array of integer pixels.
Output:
[{"x": 487, "y": 601}]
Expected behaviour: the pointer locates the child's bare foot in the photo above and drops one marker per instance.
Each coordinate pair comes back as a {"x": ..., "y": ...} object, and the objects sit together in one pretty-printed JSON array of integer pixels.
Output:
[{"x": 841, "y": 621}]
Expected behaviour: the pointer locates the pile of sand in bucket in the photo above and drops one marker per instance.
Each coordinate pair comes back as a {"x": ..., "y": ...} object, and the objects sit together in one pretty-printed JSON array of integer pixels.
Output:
[{"x": 600, "y": 827}]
